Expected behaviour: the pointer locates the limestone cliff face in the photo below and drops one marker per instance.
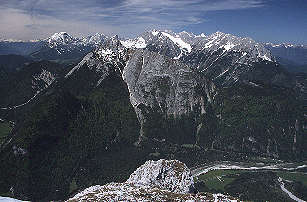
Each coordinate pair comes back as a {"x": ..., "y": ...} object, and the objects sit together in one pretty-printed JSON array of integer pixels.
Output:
[
  {"x": 154, "y": 79},
  {"x": 156, "y": 82},
  {"x": 169, "y": 87},
  {"x": 212, "y": 91}
]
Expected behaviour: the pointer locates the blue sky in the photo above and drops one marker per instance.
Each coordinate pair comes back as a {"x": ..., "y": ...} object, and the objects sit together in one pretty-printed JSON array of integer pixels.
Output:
[{"x": 263, "y": 20}]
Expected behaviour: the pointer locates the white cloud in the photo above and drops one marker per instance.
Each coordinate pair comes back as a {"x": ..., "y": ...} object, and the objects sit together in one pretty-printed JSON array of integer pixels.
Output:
[
  {"x": 17, "y": 24},
  {"x": 39, "y": 18}
]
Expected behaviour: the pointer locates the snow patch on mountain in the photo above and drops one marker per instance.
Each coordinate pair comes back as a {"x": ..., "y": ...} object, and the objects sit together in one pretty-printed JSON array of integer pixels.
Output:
[
  {"x": 155, "y": 32},
  {"x": 110, "y": 54},
  {"x": 95, "y": 39},
  {"x": 63, "y": 43},
  {"x": 7, "y": 199},
  {"x": 229, "y": 46},
  {"x": 178, "y": 41},
  {"x": 265, "y": 57},
  {"x": 251, "y": 50},
  {"x": 138, "y": 43},
  {"x": 60, "y": 38},
  {"x": 285, "y": 45},
  {"x": 104, "y": 52}
]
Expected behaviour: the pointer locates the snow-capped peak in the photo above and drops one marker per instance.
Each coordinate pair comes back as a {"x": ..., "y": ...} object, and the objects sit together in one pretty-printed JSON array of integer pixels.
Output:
[
  {"x": 178, "y": 41},
  {"x": 155, "y": 32},
  {"x": 95, "y": 39},
  {"x": 248, "y": 47},
  {"x": 11, "y": 40},
  {"x": 19, "y": 40},
  {"x": 187, "y": 34},
  {"x": 285, "y": 45},
  {"x": 250, "y": 50},
  {"x": 61, "y": 37},
  {"x": 134, "y": 43}
]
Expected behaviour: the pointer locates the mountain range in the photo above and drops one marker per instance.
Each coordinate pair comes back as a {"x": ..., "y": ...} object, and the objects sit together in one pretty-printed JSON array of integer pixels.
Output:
[
  {"x": 59, "y": 47},
  {"x": 64, "y": 47},
  {"x": 120, "y": 102},
  {"x": 289, "y": 53}
]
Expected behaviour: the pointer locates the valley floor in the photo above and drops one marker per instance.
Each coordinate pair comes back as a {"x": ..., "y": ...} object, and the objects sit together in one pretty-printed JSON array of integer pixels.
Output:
[{"x": 224, "y": 177}]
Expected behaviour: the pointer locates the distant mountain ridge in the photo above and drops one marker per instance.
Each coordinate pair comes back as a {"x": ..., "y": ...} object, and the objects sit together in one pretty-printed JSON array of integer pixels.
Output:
[
  {"x": 63, "y": 38},
  {"x": 293, "y": 57},
  {"x": 63, "y": 45},
  {"x": 224, "y": 58},
  {"x": 182, "y": 43},
  {"x": 59, "y": 47}
]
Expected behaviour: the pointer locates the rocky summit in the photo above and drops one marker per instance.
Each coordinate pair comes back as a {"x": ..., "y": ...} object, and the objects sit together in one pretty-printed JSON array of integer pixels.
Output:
[{"x": 163, "y": 180}]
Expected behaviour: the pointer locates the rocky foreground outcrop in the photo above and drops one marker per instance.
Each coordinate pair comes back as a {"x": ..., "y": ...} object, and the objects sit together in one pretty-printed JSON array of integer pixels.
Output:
[{"x": 163, "y": 180}]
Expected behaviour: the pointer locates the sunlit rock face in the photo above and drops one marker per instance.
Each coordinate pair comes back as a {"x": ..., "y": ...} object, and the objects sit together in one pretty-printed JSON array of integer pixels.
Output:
[
  {"x": 175, "y": 78},
  {"x": 162, "y": 180},
  {"x": 167, "y": 175},
  {"x": 154, "y": 80}
]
